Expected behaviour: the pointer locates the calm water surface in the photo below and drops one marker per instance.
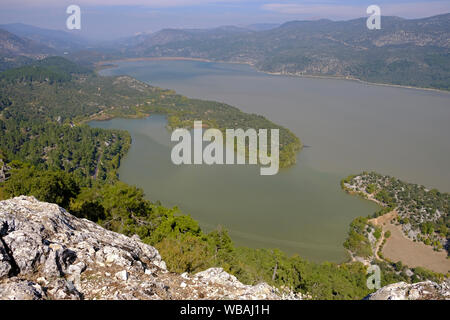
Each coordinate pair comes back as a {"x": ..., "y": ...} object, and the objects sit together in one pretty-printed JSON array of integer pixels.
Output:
[{"x": 347, "y": 127}]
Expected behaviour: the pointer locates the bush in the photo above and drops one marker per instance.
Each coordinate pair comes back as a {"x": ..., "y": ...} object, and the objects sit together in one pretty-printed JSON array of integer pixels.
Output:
[
  {"x": 371, "y": 188},
  {"x": 356, "y": 241},
  {"x": 185, "y": 253},
  {"x": 377, "y": 233},
  {"x": 48, "y": 186}
]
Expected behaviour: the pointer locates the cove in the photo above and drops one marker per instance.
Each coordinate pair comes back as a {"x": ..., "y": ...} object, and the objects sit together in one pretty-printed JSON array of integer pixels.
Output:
[
  {"x": 347, "y": 127},
  {"x": 299, "y": 210}
]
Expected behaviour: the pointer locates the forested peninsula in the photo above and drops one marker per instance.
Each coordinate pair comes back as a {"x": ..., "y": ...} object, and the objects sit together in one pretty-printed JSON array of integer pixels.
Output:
[
  {"x": 424, "y": 214},
  {"x": 49, "y": 152}
]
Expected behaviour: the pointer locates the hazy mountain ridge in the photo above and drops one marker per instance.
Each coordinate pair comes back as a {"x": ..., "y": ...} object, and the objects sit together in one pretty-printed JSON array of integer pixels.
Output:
[
  {"x": 406, "y": 52},
  {"x": 22, "y": 44},
  {"x": 16, "y": 51},
  {"x": 58, "y": 40},
  {"x": 11, "y": 44}
]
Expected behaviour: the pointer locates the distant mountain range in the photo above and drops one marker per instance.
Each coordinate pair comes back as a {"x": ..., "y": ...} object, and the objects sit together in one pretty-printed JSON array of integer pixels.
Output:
[
  {"x": 58, "y": 40},
  {"x": 263, "y": 26},
  {"x": 404, "y": 52},
  {"x": 16, "y": 51},
  {"x": 22, "y": 44}
]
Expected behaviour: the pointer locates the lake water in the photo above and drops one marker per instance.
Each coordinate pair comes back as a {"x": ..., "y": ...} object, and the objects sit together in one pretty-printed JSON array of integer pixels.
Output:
[{"x": 347, "y": 127}]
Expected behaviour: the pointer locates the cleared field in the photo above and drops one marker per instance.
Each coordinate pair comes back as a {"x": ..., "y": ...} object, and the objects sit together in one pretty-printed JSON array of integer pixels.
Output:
[{"x": 414, "y": 254}]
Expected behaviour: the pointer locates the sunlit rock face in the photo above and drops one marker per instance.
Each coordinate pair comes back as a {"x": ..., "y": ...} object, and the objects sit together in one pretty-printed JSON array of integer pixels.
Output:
[
  {"x": 46, "y": 253},
  {"x": 426, "y": 290}
]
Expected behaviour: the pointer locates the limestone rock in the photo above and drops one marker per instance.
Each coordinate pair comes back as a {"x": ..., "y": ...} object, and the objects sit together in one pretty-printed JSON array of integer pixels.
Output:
[
  {"x": 46, "y": 253},
  {"x": 122, "y": 275},
  {"x": 21, "y": 290},
  {"x": 426, "y": 290}
]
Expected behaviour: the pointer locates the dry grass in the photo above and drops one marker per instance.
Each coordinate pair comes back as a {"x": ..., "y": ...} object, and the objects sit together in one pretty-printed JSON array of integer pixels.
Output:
[{"x": 414, "y": 254}]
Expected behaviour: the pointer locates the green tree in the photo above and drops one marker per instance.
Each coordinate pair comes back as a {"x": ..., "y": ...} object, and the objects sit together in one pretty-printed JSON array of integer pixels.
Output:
[{"x": 49, "y": 186}]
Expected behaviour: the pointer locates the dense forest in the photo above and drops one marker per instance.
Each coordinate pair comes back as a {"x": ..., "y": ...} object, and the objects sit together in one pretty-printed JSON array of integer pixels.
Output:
[
  {"x": 53, "y": 156},
  {"x": 55, "y": 91},
  {"x": 83, "y": 151}
]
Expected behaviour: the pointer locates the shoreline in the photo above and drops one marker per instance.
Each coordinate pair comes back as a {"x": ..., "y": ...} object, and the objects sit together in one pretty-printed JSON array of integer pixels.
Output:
[{"x": 104, "y": 66}]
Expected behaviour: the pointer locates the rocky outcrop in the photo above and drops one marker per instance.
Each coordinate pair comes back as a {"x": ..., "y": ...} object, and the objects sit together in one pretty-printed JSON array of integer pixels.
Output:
[
  {"x": 427, "y": 290},
  {"x": 46, "y": 253}
]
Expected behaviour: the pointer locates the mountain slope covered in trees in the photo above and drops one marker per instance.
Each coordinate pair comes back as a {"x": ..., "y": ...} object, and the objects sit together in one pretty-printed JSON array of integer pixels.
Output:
[
  {"x": 53, "y": 156},
  {"x": 404, "y": 52},
  {"x": 58, "y": 40},
  {"x": 407, "y": 52}
]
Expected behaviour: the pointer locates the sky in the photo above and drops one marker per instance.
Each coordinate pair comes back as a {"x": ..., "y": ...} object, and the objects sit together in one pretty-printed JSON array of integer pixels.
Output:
[{"x": 112, "y": 19}]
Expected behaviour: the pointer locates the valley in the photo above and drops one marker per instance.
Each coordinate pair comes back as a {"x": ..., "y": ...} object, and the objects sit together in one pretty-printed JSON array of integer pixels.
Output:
[{"x": 87, "y": 126}]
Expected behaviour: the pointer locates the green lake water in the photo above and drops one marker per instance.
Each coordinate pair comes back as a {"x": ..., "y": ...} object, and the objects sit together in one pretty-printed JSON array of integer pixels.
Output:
[{"x": 346, "y": 127}]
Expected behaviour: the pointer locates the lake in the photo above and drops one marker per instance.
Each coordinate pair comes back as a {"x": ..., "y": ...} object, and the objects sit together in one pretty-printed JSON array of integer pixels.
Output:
[{"x": 346, "y": 126}]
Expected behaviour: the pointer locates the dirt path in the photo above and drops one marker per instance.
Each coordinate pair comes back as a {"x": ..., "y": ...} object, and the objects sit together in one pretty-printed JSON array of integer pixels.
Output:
[
  {"x": 377, "y": 247},
  {"x": 381, "y": 222}
]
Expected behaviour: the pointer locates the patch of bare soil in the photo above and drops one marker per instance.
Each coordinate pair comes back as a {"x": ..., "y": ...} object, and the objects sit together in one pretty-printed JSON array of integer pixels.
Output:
[{"x": 414, "y": 254}]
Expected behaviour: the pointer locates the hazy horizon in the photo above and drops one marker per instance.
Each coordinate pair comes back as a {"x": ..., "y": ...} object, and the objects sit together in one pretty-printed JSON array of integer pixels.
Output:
[{"x": 114, "y": 19}]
